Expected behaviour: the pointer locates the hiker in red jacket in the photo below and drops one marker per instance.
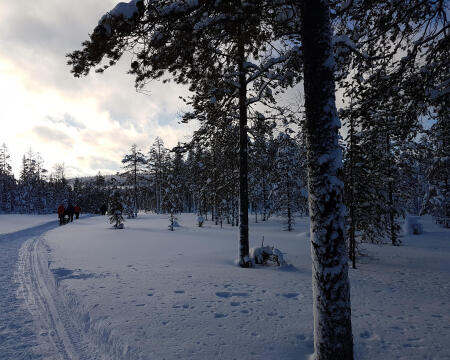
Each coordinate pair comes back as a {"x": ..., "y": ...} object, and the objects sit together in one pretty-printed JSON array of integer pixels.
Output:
[
  {"x": 61, "y": 214},
  {"x": 77, "y": 211}
]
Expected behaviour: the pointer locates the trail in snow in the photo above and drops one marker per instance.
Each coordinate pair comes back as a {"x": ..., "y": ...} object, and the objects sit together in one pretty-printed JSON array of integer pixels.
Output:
[
  {"x": 46, "y": 330},
  {"x": 17, "y": 337}
]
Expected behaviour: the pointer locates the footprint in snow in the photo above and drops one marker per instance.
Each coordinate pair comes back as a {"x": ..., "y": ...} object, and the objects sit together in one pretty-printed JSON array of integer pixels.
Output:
[
  {"x": 223, "y": 294},
  {"x": 227, "y": 294},
  {"x": 290, "y": 295},
  {"x": 179, "y": 291},
  {"x": 218, "y": 315}
]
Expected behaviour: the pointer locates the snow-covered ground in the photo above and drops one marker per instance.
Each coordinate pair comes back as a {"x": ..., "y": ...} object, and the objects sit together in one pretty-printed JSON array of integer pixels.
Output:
[
  {"x": 17, "y": 335},
  {"x": 17, "y": 222},
  {"x": 147, "y": 293}
]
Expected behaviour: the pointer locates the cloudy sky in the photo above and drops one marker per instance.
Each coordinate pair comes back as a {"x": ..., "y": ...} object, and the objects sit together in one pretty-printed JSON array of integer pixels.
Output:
[{"x": 88, "y": 123}]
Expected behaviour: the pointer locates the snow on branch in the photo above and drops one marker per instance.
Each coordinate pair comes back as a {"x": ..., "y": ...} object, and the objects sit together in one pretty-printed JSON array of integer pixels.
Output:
[
  {"x": 178, "y": 7},
  {"x": 126, "y": 10},
  {"x": 264, "y": 67},
  {"x": 345, "y": 41},
  {"x": 208, "y": 21}
]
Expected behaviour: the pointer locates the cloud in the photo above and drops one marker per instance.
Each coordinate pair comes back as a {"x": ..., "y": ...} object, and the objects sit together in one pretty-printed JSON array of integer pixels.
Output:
[
  {"x": 43, "y": 103},
  {"x": 67, "y": 120},
  {"x": 101, "y": 164},
  {"x": 47, "y": 134}
]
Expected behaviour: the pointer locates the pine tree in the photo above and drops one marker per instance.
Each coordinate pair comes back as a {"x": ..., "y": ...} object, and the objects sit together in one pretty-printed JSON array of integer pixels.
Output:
[
  {"x": 5, "y": 166},
  {"x": 7, "y": 181},
  {"x": 290, "y": 192},
  {"x": 134, "y": 165},
  {"x": 437, "y": 198},
  {"x": 225, "y": 76},
  {"x": 331, "y": 289},
  {"x": 156, "y": 163},
  {"x": 261, "y": 165}
]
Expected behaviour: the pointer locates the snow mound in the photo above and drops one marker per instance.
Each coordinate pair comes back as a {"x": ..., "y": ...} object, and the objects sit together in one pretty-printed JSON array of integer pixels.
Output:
[
  {"x": 412, "y": 226},
  {"x": 265, "y": 255}
]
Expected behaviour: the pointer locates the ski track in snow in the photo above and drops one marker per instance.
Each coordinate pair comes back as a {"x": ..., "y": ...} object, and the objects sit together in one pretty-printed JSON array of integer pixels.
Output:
[
  {"x": 15, "y": 322},
  {"x": 34, "y": 320}
]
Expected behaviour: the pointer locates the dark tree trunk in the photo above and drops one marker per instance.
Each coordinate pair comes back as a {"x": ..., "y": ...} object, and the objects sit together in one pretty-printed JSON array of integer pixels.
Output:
[
  {"x": 264, "y": 198},
  {"x": 244, "y": 260},
  {"x": 331, "y": 289},
  {"x": 352, "y": 197},
  {"x": 135, "y": 187},
  {"x": 392, "y": 226}
]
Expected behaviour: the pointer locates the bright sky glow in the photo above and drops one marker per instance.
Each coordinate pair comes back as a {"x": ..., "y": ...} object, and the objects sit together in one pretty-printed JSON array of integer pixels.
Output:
[{"x": 86, "y": 123}]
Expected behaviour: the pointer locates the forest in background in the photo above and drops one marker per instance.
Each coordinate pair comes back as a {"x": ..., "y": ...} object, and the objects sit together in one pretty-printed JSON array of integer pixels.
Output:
[{"x": 385, "y": 178}]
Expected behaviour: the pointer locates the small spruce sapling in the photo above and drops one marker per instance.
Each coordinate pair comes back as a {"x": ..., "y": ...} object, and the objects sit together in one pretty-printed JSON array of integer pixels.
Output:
[
  {"x": 173, "y": 221},
  {"x": 128, "y": 208},
  {"x": 200, "y": 220},
  {"x": 115, "y": 211}
]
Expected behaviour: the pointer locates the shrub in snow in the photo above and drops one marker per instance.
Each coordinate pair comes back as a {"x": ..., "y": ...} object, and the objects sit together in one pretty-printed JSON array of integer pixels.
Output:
[
  {"x": 173, "y": 222},
  {"x": 120, "y": 226},
  {"x": 266, "y": 255},
  {"x": 129, "y": 210},
  {"x": 200, "y": 220},
  {"x": 116, "y": 218},
  {"x": 412, "y": 225}
]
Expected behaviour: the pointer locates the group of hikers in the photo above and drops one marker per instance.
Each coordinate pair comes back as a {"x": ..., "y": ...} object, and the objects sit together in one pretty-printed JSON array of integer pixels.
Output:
[{"x": 71, "y": 210}]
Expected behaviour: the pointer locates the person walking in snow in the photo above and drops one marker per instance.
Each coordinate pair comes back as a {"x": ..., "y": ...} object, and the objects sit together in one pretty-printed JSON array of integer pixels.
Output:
[
  {"x": 70, "y": 211},
  {"x": 103, "y": 209},
  {"x": 61, "y": 212},
  {"x": 77, "y": 210}
]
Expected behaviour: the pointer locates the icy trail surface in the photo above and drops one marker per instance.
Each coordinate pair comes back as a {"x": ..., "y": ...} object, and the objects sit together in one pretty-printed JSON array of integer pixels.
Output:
[
  {"x": 17, "y": 336},
  {"x": 34, "y": 323}
]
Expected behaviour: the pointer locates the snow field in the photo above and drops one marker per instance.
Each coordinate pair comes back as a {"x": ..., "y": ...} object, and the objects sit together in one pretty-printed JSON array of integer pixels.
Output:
[
  {"x": 17, "y": 222},
  {"x": 148, "y": 293},
  {"x": 179, "y": 294},
  {"x": 401, "y": 298}
]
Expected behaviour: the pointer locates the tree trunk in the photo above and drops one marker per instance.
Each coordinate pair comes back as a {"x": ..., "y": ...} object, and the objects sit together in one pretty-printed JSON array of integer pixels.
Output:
[
  {"x": 135, "y": 187},
  {"x": 264, "y": 198},
  {"x": 391, "y": 214},
  {"x": 331, "y": 289},
  {"x": 352, "y": 196},
  {"x": 244, "y": 259}
]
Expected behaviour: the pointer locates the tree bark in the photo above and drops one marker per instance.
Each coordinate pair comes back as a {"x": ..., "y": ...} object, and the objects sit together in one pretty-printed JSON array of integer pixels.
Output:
[{"x": 331, "y": 289}]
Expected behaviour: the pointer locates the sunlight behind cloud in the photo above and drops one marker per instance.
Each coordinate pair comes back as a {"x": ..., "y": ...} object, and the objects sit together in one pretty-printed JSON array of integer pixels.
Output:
[
  {"x": 62, "y": 127},
  {"x": 75, "y": 121}
]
